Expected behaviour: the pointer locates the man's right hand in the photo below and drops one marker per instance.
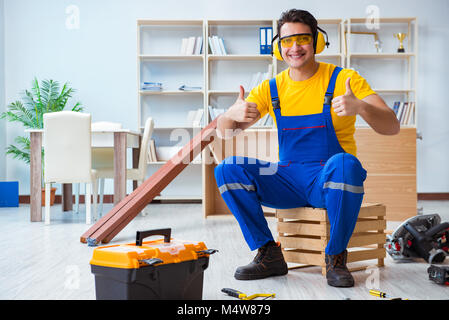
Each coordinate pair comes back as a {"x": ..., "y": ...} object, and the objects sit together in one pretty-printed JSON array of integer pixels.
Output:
[{"x": 241, "y": 110}]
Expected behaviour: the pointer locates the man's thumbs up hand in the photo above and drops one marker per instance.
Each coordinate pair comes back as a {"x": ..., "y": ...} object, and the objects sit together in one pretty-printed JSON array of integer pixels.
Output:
[
  {"x": 241, "y": 94},
  {"x": 241, "y": 110},
  {"x": 347, "y": 104},
  {"x": 348, "y": 87}
]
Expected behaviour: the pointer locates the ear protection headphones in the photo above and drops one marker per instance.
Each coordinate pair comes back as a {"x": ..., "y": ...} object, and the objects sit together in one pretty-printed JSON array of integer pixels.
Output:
[{"x": 319, "y": 43}]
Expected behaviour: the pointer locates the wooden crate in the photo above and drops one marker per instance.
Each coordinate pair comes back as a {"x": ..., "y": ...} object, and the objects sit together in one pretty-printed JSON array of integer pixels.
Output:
[{"x": 304, "y": 234}]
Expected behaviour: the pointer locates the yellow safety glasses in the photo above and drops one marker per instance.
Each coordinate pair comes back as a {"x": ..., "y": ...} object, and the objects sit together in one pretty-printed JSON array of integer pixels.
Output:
[{"x": 300, "y": 39}]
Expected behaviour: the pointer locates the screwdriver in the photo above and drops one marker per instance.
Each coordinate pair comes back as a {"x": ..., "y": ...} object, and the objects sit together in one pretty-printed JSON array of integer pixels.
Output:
[
  {"x": 381, "y": 294},
  {"x": 242, "y": 296}
]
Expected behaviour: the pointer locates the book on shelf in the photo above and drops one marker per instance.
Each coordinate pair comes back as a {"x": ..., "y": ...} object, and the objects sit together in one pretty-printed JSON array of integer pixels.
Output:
[
  {"x": 266, "y": 35},
  {"x": 222, "y": 46},
  {"x": 217, "y": 46},
  {"x": 191, "y": 45},
  {"x": 198, "y": 45},
  {"x": 151, "y": 86},
  {"x": 259, "y": 77},
  {"x": 189, "y": 88},
  {"x": 405, "y": 112}
]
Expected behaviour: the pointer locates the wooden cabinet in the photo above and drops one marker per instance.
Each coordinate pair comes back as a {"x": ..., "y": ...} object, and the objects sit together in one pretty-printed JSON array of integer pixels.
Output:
[{"x": 391, "y": 165}]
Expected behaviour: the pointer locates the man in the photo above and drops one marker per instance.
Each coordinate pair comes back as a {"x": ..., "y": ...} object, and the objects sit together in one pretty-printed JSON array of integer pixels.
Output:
[{"x": 317, "y": 151}]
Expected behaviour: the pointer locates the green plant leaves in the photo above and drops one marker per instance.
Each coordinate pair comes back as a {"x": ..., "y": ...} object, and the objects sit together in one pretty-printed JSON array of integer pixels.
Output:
[{"x": 40, "y": 99}]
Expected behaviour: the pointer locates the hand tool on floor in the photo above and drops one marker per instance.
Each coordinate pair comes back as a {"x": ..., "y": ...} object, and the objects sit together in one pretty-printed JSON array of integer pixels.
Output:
[
  {"x": 127, "y": 209},
  {"x": 381, "y": 294},
  {"x": 242, "y": 296},
  {"x": 439, "y": 274},
  {"x": 422, "y": 236}
]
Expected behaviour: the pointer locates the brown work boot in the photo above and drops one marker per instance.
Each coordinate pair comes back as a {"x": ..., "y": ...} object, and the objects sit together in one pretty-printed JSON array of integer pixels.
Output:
[
  {"x": 268, "y": 262},
  {"x": 337, "y": 274}
]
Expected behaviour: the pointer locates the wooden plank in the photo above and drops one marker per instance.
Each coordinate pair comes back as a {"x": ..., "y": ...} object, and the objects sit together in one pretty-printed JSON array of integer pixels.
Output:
[
  {"x": 293, "y": 227},
  {"x": 173, "y": 169},
  {"x": 113, "y": 222},
  {"x": 298, "y": 242},
  {"x": 372, "y": 211},
  {"x": 370, "y": 225},
  {"x": 35, "y": 176},
  {"x": 304, "y": 213},
  {"x": 319, "y": 214},
  {"x": 306, "y": 257},
  {"x": 365, "y": 238},
  {"x": 361, "y": 255}
]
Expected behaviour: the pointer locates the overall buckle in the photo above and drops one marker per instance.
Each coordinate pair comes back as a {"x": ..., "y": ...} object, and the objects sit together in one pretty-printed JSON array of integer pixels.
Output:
[{"x": 327, "y": 99}]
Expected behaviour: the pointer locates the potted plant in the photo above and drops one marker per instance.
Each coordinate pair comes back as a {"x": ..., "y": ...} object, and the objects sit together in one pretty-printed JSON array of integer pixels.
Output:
[{"x": 41, "y": 99}]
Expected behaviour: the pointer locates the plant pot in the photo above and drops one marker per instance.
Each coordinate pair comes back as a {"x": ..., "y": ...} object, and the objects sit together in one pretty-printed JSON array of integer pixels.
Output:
[{"x": 52, "y": 196}]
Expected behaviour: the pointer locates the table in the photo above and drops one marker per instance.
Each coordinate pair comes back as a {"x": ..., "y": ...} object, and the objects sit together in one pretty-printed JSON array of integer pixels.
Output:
[{"x": 119, "y": 139}]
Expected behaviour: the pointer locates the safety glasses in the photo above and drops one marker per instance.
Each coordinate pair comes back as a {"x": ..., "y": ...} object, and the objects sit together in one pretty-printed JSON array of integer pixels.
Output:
[{"x": 299, "y": 38}]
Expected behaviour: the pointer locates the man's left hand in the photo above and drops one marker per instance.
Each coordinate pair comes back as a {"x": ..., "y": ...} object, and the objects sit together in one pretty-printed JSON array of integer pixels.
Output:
[{"x": 347, "y": 104}]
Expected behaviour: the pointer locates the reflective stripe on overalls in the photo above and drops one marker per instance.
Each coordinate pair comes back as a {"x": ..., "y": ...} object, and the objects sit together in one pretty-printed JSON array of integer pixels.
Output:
[{"x": 313, "y": 170}]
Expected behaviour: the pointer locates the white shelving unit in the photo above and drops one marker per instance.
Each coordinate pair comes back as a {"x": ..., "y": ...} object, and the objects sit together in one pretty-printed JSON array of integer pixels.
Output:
[
  {"x": 389, "y": 160},
  {"x": 224, "y": 73},
  {"x": 159, "y": 59},
  {"x": 219, "y": 76},
  {"x": 391, "y": 74}
]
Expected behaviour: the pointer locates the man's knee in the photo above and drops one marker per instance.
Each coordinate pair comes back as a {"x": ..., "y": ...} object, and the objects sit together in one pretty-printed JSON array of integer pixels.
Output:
[
  {"x": 348, "y": 165},
  {"x": 227, "y": 166}
]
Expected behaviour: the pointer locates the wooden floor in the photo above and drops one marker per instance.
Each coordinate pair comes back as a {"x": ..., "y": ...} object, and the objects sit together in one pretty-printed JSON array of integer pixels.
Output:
[{"x": 49, "y": 262}]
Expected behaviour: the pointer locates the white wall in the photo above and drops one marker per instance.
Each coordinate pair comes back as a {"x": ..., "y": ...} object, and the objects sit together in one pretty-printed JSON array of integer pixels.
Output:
[
  {"x": 99, "y": 58},
  {"x": 2, "y": 92}
]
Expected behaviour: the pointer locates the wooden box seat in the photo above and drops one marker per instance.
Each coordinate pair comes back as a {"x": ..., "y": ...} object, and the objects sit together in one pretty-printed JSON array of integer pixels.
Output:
[{"x": 304, "y": 234}]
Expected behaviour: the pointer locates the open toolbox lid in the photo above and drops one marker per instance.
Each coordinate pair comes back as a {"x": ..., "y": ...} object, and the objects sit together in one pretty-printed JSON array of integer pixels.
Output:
[{"x": 157, "y": 252}]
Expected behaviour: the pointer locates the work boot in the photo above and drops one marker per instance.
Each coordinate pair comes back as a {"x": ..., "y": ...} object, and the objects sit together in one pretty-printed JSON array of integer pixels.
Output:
[
  {"x": 337, "y": 274},
  {"x": 268, "y": 262}
]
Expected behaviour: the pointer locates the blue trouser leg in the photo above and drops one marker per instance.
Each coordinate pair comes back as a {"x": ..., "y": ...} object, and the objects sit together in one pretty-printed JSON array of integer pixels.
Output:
[
  {"x": 341, "y": 181},
  {"x": 244, "y": 189}
]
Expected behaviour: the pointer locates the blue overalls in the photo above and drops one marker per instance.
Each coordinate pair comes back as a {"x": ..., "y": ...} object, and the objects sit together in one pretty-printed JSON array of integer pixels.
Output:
[{"x": 313, "y": 170}]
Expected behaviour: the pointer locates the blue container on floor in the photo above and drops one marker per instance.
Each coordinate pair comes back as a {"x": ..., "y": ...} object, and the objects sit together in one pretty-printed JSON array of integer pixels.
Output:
[{"x": 9, "y": 193}]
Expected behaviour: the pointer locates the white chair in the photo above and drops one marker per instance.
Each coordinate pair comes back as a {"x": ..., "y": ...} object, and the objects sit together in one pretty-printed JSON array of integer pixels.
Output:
[
  {"x": 101, "y": 158},
  {"x": 139, "y": 173},
  {"x": 67, "y": 155}
]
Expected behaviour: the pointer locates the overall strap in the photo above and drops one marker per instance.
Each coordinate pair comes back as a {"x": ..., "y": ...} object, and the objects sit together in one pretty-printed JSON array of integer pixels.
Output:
[
  {"x": 274, "y": 94},
  {"x": 275, "y": 100},
  {"x": 330, "y": 89}
]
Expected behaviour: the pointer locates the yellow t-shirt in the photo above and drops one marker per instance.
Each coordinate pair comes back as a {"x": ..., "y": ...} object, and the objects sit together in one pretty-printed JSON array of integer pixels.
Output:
[{"x": 299, "y": 98}]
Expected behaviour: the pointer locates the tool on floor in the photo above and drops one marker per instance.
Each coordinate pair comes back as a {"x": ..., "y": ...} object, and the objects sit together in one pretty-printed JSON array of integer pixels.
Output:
[
  {"x": 422, "y": 236},
  {"x": 439, "y": 274},
  {"x": 381, "y": 294},
  {"x": 127, "y": 209},
  {"x": 242, "y": 296}
]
